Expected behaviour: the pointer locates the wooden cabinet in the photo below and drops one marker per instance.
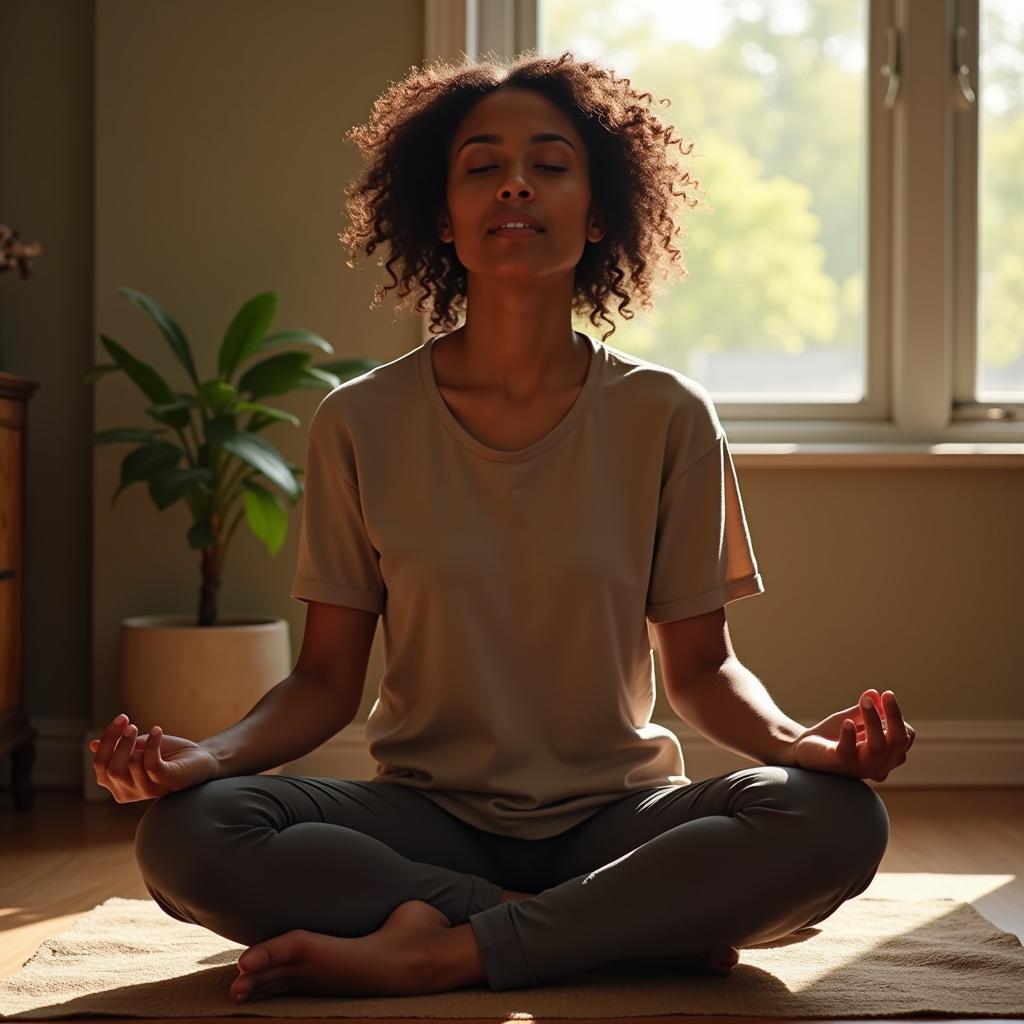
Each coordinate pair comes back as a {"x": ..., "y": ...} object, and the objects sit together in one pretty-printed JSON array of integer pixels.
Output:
[{"x": 17, "y": 737}]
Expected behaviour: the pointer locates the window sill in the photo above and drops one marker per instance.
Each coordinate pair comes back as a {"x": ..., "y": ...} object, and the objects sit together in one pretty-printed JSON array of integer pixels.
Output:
[{"x": 875, "y": 455}]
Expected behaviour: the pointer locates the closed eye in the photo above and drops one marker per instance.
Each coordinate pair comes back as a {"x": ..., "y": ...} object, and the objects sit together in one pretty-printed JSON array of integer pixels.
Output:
[{"x": 546, "y": 167}]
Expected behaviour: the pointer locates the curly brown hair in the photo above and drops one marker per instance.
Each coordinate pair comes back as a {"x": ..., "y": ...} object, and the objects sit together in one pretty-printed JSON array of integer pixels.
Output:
[{"x": 400, "y": 194}]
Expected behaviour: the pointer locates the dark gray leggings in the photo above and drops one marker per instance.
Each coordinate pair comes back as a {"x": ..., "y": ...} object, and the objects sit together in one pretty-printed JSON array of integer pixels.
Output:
[{"x": 739, "y": 859}]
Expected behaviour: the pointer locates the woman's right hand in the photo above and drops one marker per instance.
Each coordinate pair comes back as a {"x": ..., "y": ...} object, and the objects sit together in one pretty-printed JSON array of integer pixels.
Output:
[{"x": 137, "y": 767}]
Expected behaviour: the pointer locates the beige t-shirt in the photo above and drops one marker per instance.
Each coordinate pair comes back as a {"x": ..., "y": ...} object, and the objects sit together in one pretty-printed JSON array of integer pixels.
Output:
[{"x": 515, "y": 587}]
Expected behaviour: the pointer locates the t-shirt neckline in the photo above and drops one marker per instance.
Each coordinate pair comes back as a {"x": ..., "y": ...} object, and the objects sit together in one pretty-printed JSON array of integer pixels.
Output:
[{"x": 465, "y": 438}]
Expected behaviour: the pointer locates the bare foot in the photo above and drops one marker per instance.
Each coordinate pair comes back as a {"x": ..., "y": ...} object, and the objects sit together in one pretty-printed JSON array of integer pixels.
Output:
[{"x": 389, "y": 961}]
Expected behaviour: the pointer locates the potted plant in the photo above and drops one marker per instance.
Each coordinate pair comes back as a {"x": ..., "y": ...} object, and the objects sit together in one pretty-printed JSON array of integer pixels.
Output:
[{"x": 195, "y": 675}]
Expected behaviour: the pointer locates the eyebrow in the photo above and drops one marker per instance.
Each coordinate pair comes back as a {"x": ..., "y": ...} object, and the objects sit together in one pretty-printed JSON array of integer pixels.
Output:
[{"x": 539, "y": 137}]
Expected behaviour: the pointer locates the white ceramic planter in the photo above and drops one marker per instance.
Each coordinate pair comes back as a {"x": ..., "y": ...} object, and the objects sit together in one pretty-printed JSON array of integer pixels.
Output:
[{"x": 195, "y": 681}]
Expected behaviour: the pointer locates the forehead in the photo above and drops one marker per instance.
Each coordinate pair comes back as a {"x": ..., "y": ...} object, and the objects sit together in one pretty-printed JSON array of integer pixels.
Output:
[{"x": 515, "y": 114}]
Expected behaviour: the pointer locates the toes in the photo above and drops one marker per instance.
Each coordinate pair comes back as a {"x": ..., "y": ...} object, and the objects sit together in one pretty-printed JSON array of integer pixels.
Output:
[
  {"x": 263, "y": 983},
  {"x": 255, "y": 959},
  {"x": 282, "y": 949},
  {"x": 262, "y": 992},
  {"x": 268, "y": 968}
]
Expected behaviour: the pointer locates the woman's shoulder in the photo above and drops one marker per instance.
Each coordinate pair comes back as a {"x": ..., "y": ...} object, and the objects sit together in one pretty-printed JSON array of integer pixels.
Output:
[
  {"x": 672, "y": 391},
  {"x": 671, "y": 406},
  {"x": 368, "y": 394}
]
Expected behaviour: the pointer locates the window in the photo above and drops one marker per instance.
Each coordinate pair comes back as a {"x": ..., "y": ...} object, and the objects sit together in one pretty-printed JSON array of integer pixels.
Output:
[
  {"x": 868, "y": 213},
  {"x": 999, "y": 358},
  {"x": 773, "y": 96}
]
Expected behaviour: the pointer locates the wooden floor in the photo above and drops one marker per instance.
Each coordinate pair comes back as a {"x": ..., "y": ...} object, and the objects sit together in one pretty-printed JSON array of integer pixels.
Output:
[{"x": 66, "y": 856}]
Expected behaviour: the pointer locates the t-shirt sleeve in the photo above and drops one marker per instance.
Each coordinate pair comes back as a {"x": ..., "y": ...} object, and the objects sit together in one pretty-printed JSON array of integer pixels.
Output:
[
  {"x": 337, "y": 562},
  {"x": 703, "y": 558}
]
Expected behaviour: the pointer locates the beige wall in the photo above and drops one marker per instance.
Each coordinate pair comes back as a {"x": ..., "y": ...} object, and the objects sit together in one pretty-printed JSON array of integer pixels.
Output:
[
  {"x": 221, "y": 165},
  {"x": 46, "y": 328},
  {"x": 902, "y": 579},
  {"x": 216, "y": 134}
]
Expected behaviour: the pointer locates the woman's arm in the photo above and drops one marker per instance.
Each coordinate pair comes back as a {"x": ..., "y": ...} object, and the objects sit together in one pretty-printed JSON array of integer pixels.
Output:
[{"x": 317, "y": 700}]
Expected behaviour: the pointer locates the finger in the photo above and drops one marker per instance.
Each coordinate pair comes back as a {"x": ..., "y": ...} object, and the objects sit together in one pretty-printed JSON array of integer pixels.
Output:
[
  {"x": 95, "y": 743},
  {"x": 108, "y": 742},
  {"x": 854, "y": 713},
  {"x": 876, "y": 700},
  {"x": 894, "y": 719},
  {"x": 154, "y": 763},
  {"x": 112, "y": 733},
  {"x": 137, "y": 772},
  {"x": 119, "y": 759},
  {"x": 873, "y": 727},
  {"x": 894, "y": 737},
  {"x": 847, "y": 743}
]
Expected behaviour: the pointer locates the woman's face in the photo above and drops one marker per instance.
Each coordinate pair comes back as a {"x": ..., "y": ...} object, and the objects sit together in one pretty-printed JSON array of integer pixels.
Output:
[{"x": 513, "y": 172}]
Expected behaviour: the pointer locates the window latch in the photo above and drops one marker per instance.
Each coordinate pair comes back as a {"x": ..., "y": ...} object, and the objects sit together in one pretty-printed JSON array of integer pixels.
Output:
[
  {"x": 963, "y": 69},
  {"x": 891, "y": 68}
]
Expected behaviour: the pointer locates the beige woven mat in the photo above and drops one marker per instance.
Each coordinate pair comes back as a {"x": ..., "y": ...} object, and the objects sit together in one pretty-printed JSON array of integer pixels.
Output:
[{"x": 903, "y": 947}]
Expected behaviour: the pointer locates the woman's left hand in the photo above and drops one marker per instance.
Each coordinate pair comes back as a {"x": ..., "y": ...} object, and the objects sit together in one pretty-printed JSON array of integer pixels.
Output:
[{"x": 865, "y": 743}]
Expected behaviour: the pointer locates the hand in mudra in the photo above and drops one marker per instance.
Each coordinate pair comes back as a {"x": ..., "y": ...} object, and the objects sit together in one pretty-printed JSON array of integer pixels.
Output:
[
  {"x": 865, "y": 743},
  {"x": 137, "y": 767}
]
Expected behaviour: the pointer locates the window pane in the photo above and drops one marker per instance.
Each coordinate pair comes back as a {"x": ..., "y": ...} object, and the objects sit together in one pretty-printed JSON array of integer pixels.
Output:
[
  {"x": 1000, "y": 366},
  {"x": 772, "y": 92}
]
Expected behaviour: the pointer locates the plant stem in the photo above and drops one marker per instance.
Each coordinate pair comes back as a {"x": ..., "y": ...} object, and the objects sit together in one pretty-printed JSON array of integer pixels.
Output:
[
  {"x": 231, "y": 529},
  {"x": 229, "y": 497}
]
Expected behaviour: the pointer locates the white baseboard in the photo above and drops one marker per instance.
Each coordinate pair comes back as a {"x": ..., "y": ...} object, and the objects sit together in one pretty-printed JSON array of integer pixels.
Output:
[{"x": 946, "y": 753}]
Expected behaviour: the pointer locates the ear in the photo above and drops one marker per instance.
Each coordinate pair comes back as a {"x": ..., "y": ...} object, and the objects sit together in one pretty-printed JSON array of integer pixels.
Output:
[
  {"x": 444, "y": 226},
  {"x": 595, "y": 225}
]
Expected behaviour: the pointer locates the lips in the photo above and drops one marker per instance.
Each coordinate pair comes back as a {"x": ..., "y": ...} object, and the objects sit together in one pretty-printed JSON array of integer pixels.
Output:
[{"x": 513, "y": 216}]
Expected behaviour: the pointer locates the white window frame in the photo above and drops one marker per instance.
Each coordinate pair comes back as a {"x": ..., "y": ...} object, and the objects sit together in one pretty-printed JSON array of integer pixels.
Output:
[{"x": 921, "y": 285}]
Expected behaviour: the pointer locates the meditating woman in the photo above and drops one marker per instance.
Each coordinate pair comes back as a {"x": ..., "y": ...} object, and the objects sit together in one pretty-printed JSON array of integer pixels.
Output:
[{"x": 520, "y": 502}]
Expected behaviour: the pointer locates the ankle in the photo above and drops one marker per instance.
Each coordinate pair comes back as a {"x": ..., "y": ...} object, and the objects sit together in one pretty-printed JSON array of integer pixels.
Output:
[{"x": 451, "y": 959}]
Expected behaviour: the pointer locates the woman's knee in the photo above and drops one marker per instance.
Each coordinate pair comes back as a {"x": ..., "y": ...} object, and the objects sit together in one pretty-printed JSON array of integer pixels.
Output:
[
  {"x": 837, "y": 816},
  {"x": 172, "y": 837},
  {"x": 850, "y": 817}
]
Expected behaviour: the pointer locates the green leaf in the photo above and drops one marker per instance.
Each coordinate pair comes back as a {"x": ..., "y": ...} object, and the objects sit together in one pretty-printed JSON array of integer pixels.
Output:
[
  {"x": 220, "y": 428},
  {"x": 245, "y": 332},
  {"x": 256, "y": 452},
  {"x": 298, "y": 472},
  {"x": 297, "y": 336},
  {"x": 266, "y": 516},
  {"x": 218, "y": 394},
  {"x": 152, "y": 385},
  {"x": 145, "y": 462},
  {"x": 276, "y": 375},
  {"x": 346, "y": 369},
  {"x": 172, "y": 332},
  {"x": 100, "y": 371},
  {"x": 168, "y": 485},
  {"x": 318, "y": 379},
  {"x": 269, "y": 411},
  {"x": 174, "y": 413},
  {"x": 119, "y": 434},
  {"x": 200, "y": 536}
]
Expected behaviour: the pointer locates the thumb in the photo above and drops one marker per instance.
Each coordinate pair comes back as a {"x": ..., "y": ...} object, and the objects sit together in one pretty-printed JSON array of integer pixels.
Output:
[{"x": 846, "y": 745}]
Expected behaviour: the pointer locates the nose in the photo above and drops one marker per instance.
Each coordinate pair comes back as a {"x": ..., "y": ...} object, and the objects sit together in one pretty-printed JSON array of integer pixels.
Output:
[{"x": 515, "y": 183}]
